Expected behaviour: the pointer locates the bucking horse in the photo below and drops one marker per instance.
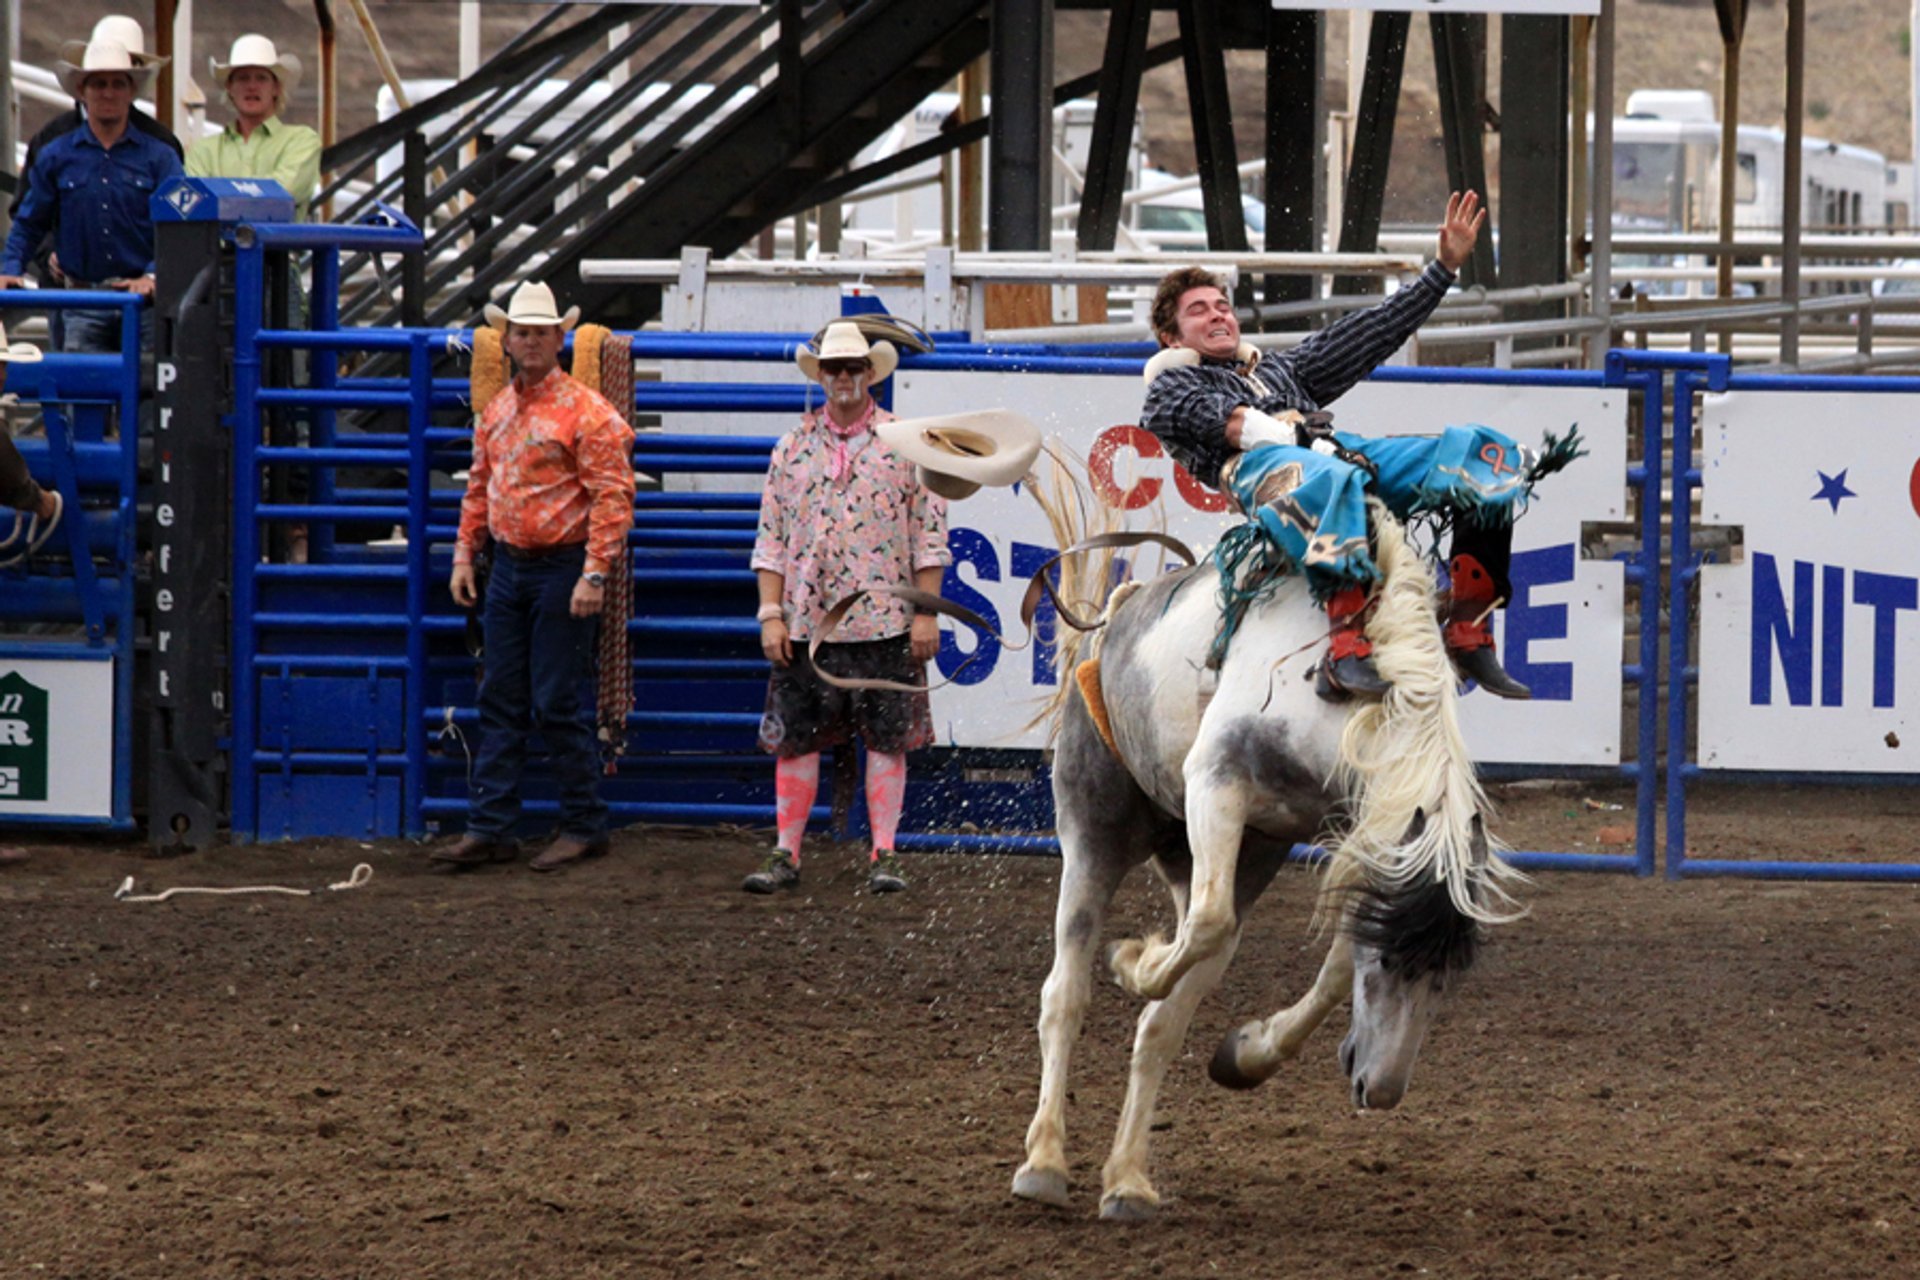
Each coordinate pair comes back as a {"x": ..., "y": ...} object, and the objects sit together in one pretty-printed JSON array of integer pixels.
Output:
[{"x": 1213, "y": 771}]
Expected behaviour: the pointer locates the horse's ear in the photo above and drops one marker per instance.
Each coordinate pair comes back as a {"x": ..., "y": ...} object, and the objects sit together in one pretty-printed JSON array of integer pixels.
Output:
[{"x": 1417, "y": 827}]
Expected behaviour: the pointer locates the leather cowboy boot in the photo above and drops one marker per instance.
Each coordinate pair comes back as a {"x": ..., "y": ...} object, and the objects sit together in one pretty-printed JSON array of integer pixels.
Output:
[
  {"x": 1469, "y": 637},
  {"x": 1348, "y": 671}
]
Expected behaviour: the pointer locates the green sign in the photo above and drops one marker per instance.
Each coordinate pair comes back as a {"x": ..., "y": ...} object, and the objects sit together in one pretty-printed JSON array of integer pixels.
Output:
[{"x": 23, "y": 739}]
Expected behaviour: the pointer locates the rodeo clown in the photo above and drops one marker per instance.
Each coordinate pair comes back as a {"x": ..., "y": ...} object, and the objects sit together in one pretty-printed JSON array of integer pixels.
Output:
[
  {"x": 856, "y": 502},
  {"x": 1249, "y": 424}
]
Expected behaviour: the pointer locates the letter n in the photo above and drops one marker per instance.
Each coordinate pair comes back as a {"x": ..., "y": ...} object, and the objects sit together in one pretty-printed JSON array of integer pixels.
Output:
[{"x": 1772, "y": 630}]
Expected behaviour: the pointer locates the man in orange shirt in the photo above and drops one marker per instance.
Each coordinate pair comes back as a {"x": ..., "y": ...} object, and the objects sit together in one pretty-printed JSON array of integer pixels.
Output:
[{"x": 552, "y": 487}]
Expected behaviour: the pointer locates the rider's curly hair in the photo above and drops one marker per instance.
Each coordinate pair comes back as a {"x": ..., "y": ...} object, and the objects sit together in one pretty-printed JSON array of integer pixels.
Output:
[{"x": 1166, "y": 298}]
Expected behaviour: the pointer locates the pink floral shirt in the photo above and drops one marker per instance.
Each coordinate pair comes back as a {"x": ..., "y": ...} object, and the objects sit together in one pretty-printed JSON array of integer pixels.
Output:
[{"x": 873, "y": 528}]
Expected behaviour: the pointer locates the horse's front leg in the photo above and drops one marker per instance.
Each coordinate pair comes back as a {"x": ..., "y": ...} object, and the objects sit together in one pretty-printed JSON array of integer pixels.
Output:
[
  {"x": 1251, "y": 1053},
  {"x": 1085, "y": 892},
  {"x": 1216, "y": 804},
  {"x": 1126, "y": 1191}
]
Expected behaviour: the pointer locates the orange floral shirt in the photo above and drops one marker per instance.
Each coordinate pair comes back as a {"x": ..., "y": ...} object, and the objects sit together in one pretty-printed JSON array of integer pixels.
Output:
[{"x": 552, "y": 464}]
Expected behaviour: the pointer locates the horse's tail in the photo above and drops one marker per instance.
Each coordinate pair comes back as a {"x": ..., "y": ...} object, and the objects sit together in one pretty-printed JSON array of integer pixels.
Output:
[
  {"x": 1404, "y": 759},
  {"x": 1074, "y": 514}
]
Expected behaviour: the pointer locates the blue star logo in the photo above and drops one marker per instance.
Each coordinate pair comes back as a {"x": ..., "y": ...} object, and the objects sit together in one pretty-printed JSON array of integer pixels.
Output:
[{"x": 1832, "y": 489}]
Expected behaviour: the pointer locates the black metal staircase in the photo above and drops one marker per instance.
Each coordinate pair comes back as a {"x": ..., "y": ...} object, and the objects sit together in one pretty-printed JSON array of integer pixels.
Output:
[{"x": 726, "y": 125}]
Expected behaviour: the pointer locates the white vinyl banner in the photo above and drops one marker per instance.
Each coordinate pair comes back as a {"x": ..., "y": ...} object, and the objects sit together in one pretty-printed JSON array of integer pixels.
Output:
[
  {"x": 1807, "y": 640},
  {"x": 56, "y": 737},
  {"x": 1450, "y": 6},
  {"x": 1562, "y": 634}
]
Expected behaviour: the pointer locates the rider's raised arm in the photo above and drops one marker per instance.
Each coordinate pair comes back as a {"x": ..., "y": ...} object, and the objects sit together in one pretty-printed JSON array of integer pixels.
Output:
[
  {"x": 1328, "y": 364},
  {"x": 1188, "y": 411}
]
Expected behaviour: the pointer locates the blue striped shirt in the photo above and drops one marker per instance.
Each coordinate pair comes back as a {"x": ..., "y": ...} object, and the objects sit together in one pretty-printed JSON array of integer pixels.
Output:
[
  {"x": 1188, "y": 406},
  {"x": 94, "y": 201}
]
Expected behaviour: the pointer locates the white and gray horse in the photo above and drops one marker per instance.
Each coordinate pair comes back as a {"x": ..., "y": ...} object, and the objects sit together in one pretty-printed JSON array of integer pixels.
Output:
[{"x": 1213, "y": 776}]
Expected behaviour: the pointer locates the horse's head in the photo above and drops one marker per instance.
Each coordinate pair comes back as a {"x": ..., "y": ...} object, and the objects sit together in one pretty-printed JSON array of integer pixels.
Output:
[{"x": 1411, "y": 944}]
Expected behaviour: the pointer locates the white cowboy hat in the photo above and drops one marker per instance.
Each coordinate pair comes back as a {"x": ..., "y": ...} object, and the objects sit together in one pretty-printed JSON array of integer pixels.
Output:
[
  {"x": 17, "y": 352},
  {"x": 258, "y": 51},
  {"x": 82, "y": 58},
  {"x": 842, "y": 340},
  {"x": 959, "y": 452},
  {"x": 532, "y": 303},
  {"x": 126, "y": 32}
]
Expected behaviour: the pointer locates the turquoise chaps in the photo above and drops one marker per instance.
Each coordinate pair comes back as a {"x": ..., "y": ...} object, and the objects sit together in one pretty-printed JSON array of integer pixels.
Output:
[{"x": 1314, "y": 506}]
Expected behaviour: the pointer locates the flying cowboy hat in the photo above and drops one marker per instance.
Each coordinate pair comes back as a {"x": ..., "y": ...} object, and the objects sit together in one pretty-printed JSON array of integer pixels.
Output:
[
  {"x": 120, "y": 28},
  {"x": 959, "y": 452},
  {"x": 80, "y": 59},
  {"x": 258, "y": 51},
  {"x": 532, "y": 303}
]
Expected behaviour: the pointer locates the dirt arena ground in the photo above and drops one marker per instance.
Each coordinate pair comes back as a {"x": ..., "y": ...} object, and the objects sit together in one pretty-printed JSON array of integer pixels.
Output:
[{"x": 633, "y": 1069}]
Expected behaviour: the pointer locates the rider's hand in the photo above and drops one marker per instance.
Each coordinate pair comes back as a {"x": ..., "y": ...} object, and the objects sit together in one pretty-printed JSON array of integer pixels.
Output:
[{"x": 1460, "y": 230}]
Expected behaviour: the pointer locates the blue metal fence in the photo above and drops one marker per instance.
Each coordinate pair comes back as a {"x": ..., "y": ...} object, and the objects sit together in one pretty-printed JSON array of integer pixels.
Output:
[{"x": 89, "y": 406}]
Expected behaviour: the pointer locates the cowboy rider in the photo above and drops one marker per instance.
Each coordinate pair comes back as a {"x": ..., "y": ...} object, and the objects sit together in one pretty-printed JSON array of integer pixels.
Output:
[{"x": 1248, "y": 423}]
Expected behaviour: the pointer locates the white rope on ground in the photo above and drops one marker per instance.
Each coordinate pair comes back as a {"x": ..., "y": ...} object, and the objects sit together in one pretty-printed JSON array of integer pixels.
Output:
[{"x": 361, "y": 874}]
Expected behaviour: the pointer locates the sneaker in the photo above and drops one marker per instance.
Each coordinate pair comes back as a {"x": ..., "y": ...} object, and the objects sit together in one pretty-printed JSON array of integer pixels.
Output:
[
  {"x": 886, "y": 877},
  {"x": 780, "y": 871}
]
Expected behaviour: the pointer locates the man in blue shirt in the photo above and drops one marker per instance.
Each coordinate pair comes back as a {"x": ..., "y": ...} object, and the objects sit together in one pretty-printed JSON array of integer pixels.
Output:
[{"x": 90, "y": 189}]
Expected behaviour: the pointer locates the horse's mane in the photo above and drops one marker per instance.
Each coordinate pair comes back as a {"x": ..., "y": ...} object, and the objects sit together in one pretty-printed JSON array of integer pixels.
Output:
[{"x": 1404, "y": 757}]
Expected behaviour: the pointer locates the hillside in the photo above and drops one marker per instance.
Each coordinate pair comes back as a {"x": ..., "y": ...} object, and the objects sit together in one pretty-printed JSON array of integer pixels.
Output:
[{"x": 1858, "y": 76}]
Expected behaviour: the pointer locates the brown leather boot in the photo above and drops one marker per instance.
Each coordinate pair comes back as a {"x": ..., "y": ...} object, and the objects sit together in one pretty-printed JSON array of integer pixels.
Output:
[
  {"x": 1347, "y": 671},
  {"x": 1469, "y": 637},
  {"x": 473, "y": 850}
]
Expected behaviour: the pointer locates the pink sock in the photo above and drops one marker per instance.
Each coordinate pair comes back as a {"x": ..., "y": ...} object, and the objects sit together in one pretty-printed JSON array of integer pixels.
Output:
[
  {"x": 795, "y": 783},
  {"x": 886, "y": 790}
]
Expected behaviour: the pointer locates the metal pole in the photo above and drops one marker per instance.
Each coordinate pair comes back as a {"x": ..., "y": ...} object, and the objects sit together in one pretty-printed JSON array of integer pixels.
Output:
[
  {"x": 162, "y": 46},
  {"x": 329, "y": 89},
  {"x": 1602, "y": 180},
  {"x": 1580, "y": 89},
  {"x": 9, "y": 110},
  {"x": 1790, "y": 193},
  {"x": 1020, "y": 181}
]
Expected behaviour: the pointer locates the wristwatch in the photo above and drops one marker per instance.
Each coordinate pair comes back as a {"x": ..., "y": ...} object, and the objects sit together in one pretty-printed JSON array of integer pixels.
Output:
[{"x": 594, "y": 579}]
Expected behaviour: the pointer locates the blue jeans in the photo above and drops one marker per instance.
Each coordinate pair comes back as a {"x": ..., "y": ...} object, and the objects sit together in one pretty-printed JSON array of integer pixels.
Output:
[{"x": 537, "y": 653}]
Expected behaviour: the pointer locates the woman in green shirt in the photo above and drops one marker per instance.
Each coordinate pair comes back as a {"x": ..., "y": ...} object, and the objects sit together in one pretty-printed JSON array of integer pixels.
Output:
[{"x": 259, "y": 144}]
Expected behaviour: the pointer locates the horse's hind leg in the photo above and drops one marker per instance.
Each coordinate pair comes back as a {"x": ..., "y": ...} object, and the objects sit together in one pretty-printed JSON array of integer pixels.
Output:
[
  {"x": 1103, "y": 818},
  {"x": 1126, "y": 1191},
  {"x": 1252, "y": 1052},
  {"x": 1085, "y": 892}
]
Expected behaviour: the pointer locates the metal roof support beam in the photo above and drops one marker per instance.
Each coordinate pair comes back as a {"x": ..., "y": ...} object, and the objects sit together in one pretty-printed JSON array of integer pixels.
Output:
[
  {"x": 1020, "y": 151},
  {"x": 1733, "y": 26},
  {"x": 1366, "y": 186},
  {"x": 1114, "y": 111},
  {"x": 1215, "y": 157},
  {"x": 1296, "y": 139},
  {"x": 1459, "y": 44},
  {"x": 1534, "y": 56}
]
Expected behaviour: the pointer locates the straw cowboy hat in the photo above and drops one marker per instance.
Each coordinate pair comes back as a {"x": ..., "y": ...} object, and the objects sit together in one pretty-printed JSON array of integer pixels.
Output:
[
  {"x": 82, "y": 58},
  {"x": 959, "y": 452},
  {"x": 126, "y": 31},
  {"x": 258, "y": 51},
  {"x": 843, "y": 340},
  {"x": 532, "y": 303},
  {"x": 17, "y": 352}
]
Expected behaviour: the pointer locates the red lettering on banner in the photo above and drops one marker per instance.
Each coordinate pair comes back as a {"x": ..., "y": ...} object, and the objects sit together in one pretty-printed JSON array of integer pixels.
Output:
[
  {"x": 1143, "y": 491},
  {"x": 1913, "y": 488},
  {"x": 1198, "y": 496}
]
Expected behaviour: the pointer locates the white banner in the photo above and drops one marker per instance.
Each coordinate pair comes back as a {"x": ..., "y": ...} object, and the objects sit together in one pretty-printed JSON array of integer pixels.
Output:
[
  {"x": 1807, "y": 640},
  {"x": 1541, "y": 7},
  {"x": 56, "y": 737},
  {"x": 1562, "y": 634}
]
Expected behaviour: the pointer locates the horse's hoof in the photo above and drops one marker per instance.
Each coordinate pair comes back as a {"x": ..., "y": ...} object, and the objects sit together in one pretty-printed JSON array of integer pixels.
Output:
[
  {"x": 1044, "y": 1186},
  {"x": 1128, "y": 1208},
  {"x": 1224, "y": 1069},
  {"x": 1123, "y": 961}
]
